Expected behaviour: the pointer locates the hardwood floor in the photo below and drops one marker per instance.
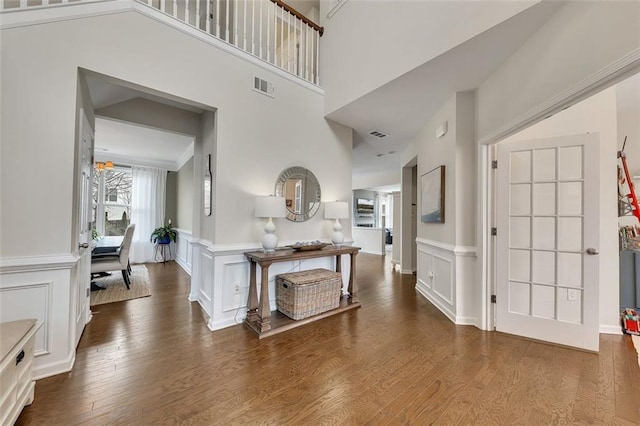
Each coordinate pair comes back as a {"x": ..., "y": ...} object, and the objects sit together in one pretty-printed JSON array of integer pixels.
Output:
[{"x": 396, "y": 360}]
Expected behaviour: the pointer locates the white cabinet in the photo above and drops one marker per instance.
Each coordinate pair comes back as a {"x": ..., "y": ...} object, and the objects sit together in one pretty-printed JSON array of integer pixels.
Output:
[{"x": 16, "y": 368}]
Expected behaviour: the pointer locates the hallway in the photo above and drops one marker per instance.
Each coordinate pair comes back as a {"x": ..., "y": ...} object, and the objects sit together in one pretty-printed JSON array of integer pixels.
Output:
[{"x": 397, "y": 360}]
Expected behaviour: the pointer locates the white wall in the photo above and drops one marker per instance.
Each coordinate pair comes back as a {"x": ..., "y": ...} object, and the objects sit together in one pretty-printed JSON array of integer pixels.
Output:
[
  {"x": 596, "y": 114},
  {"x": 153, "y": 114},
  {"x": 184, "y": 190},
  {"x": 446, "y": 251},
  {"x": 628, "y": 110},
  {"x": 456, "y": 151},
  {"x": 369, "y": 43},
  {"x": 578, "y": 41},
  {"x": 257, "y": 136}
]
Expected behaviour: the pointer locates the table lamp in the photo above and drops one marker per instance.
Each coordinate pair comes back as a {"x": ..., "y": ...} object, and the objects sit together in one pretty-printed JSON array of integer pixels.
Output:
[
  {"x": 337, "y": 210},
  {"x": 271, "y": 207}
]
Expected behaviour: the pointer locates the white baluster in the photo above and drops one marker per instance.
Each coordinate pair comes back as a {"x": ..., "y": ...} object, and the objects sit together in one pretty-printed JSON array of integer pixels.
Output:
[
  {"x": 298, "y": 48},
  {"x": 281, "y": 38},
  {"x": 269, "y": 6},
  {"x": 198, "y": 14},
  {"x": 207, "y": 21},
  {"x": 306, "y": 53},
  {"x": 244, "y": 26},
  {"x": 317, "y": 79},
  {"x": 235, "y": 22},
  {"x": 227, "y": 9},
  {"x": 23, "y": 4},
  {"x": 186, "y": 11},
  {"x": 288, "y": 41},
  {"x": 260, "y": 35},
  {"x": 312, "y": 56},
  {"x": 218, "y": 18},
  {"x": 175, "y": 8},
  {"x": 163, "y": 6},
  {"x": 253, "y": 27}
]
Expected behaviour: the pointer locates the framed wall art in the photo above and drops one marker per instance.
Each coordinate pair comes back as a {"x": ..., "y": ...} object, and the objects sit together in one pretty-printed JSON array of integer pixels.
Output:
[{"x": 432, "y": 196}]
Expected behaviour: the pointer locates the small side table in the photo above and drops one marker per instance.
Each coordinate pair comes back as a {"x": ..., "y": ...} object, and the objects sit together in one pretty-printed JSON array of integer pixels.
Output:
[{"x": 161, "y": 252}]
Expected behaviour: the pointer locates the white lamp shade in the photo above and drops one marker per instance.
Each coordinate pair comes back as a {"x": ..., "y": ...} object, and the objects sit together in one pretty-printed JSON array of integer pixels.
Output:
[
  {"x": 270, "y": 206},
  {"x": 336, "y": 210}
]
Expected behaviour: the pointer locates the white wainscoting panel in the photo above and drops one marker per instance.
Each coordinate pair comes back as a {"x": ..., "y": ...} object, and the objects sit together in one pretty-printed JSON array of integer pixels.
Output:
[
  {"x": 205, "y": 287},
  {"x": 445, "y": 277},
  {"x": 184, "y": 250},
  {"x": 46, "y": 292},
  {"x": 230, "y": 281}
]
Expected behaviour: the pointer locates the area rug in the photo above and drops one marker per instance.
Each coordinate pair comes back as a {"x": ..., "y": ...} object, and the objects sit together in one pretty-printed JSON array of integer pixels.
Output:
[
  {"x": 116, "y": 290},
  {"x": 636, "y": 343}
]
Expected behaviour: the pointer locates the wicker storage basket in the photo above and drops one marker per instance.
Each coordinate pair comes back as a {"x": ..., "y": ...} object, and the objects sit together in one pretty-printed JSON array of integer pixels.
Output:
[{"x": 303, "y": 294}]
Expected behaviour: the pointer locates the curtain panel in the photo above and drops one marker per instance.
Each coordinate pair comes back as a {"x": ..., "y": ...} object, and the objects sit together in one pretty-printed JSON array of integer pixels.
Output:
[{"x": 148, "y": 194}]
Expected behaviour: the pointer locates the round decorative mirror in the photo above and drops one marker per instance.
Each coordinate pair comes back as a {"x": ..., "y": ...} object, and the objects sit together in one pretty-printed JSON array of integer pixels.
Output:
[{"x": 301, "y": 192}]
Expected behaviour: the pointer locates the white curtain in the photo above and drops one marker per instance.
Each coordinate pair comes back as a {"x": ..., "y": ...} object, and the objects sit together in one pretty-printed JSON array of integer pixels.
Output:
[{"x": 148, "y": 194}]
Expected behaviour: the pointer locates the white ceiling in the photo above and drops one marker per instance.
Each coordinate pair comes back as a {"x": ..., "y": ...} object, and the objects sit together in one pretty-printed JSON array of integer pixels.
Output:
[
  {"x": 402, "y": 107},
  {"x": 128, "y": 143}
]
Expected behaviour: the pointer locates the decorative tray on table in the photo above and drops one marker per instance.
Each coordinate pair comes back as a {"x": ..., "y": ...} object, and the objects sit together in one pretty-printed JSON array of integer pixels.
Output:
[{"x": 307, "y": 246}]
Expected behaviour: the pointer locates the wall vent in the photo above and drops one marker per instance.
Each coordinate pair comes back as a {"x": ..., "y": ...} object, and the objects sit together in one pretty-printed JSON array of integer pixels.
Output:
[
  {"x": 263, "y": 86},
  {"x": 378, "y": 134}
]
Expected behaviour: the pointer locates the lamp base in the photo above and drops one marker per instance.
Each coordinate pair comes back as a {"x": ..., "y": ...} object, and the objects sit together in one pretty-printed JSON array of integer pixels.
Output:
[
  {"x": 269, "y": 240},
  {"x": 337, "y": 238}
]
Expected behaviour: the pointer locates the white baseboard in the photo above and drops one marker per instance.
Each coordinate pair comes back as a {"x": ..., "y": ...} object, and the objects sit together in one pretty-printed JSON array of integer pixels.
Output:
[
  {"x": 51, "y": 369},
  {"x": 467, "y": 321},
  {"x": 610, "y": 329},
  {"x": 435, "y": 302},
  {"x": 183, "y": 265}
]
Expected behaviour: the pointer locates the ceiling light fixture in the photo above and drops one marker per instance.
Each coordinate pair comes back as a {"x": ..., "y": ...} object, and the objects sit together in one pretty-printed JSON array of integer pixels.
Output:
[{"x": 107, "y": 165}]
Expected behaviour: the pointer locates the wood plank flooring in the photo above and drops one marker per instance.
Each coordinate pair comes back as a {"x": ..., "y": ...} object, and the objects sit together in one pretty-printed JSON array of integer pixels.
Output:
[{"x": 396, "y": 360}]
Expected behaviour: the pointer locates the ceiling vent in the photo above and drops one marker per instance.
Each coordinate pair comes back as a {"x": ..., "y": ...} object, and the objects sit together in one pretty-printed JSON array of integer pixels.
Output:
[
  {"x": 263, "y": 86},
  {"x": 378, "y": 134}
]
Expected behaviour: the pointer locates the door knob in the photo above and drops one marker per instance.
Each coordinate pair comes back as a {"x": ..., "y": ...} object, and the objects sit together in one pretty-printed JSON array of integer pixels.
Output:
[
  {"x": 592, "y": 251},
  {"x": 83, "y": 245}
]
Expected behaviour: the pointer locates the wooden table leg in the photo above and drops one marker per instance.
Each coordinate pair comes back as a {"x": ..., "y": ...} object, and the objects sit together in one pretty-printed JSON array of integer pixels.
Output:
[
  {"x": 252, "y": 300},
  {"x": 264, "y": 310},
  {"x": 339, "y": 269},
  {"x": 353, "y": 287}
]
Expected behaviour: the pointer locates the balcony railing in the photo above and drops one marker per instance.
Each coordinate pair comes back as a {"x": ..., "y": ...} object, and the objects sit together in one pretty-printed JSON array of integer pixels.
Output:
[{"x": 267, "y": 29}]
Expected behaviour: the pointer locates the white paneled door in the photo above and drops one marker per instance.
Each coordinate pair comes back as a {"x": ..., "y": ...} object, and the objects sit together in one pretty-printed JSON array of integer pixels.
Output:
[
  {"x": 85, "y": 187},
  {"x": 547, "y": 216}
]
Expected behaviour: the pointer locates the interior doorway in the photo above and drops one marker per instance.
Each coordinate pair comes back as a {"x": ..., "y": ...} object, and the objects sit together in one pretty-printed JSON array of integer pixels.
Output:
[
  {"x": 409, "y": 224},
  {"x": 593, "y": 110}
]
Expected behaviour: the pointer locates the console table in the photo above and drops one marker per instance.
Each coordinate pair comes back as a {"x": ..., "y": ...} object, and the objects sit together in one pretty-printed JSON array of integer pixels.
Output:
[{"x": 265, "y": 323}]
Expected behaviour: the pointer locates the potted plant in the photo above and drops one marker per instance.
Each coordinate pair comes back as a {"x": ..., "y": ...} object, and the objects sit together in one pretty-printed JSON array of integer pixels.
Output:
[{"x": 164, "y": 234}]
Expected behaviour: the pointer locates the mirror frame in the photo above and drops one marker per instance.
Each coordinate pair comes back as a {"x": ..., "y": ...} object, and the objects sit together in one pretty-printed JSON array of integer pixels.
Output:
[
  {"x": 293, "y": 172},
  {"x": 207, "y": 187}
]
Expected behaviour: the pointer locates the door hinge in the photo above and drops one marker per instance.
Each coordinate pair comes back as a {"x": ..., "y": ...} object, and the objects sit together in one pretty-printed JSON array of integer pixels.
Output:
[
  {"x": 493, "y": 298},
  {"x": 494, "y": 231},
  {"x": 494, "y": 164},
  {"x": 88, "y": 292}
]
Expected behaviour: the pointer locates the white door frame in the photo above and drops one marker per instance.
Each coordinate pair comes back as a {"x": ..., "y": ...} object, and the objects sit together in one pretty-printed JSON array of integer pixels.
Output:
[{"x": 606, "y": 77}]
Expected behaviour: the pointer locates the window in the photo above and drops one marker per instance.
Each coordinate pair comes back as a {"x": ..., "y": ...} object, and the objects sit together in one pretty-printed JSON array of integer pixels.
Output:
[{"x": 111, "y": 200}]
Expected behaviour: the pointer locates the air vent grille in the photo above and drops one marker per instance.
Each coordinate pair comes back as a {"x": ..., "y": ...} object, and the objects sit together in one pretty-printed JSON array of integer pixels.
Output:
[
  {"x": 378, "y": 134},
  {"x": 263, "y": 86}
]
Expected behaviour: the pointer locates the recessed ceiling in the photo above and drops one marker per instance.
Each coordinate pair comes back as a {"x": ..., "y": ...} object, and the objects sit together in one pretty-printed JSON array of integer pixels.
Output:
[{"x": 128, "y": 143}]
